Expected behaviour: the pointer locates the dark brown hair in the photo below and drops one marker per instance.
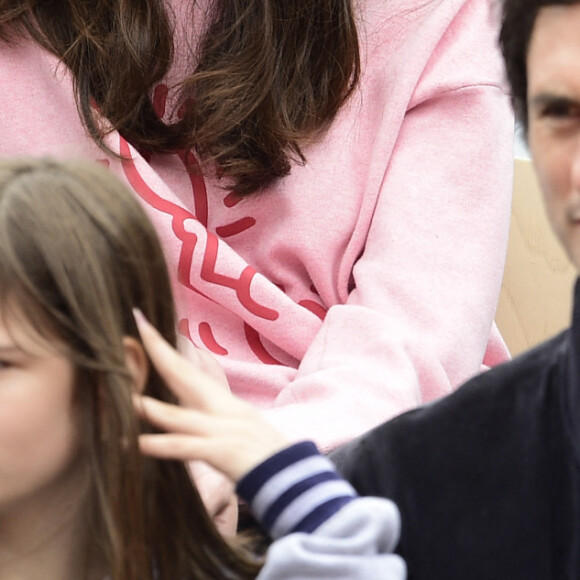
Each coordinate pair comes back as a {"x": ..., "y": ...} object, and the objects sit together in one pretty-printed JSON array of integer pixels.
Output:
[
  {"x": 519, "y": 18},
  {"x": 269, "y": 75},
  {"x": 77, "y": 253}
]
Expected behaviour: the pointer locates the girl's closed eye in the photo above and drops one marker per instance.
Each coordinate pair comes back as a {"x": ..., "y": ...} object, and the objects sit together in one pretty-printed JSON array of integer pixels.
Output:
[
  {"x": 13, "y": 357},
  {"x": 7, "y": 360}
]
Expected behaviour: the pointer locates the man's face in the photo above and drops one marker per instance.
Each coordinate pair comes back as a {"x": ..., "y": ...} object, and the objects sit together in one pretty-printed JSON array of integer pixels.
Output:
[{"x": 553, "y": 67}]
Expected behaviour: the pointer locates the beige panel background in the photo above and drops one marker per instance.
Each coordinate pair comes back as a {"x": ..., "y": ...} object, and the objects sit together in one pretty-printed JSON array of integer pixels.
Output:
[{"x": 536, "y": 296}]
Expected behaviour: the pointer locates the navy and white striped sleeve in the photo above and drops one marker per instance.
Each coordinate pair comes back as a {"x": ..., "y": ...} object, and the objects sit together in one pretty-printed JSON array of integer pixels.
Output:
[
  {"x": 323, "y": 530},
  {"x": 295, "y": 490}
]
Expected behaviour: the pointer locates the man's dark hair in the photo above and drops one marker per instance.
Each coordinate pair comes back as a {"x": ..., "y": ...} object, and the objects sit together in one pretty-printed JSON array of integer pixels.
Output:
[{"x": 519, "y": 17}]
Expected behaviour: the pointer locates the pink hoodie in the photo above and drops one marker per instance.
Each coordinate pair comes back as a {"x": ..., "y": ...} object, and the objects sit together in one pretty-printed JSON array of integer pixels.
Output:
[{"x": 365, "y": 282}]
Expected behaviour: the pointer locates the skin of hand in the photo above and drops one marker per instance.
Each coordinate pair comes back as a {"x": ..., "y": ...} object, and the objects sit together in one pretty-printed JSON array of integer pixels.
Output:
[
  {"x": 218, "y": 496},
  {"x": 210, "y": 424},
  {"x": 216, "y": 490}
]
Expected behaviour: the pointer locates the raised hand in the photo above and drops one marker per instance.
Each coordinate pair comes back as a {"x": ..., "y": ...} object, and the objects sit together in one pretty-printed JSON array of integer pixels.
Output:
[{"x": 210, "y": 424}]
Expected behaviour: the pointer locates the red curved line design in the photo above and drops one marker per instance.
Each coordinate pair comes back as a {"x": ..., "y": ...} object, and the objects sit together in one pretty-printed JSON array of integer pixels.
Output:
[
  {"x": 184, "y": 106},
  {"x": 257, "y": 347},
  {"x": 209, "y": 340},
  {"x": 183, "y": 329},
  {"x": 243, "y": 292},
  {"x": 236, "y": 227},
  {"x": 241, "y": 285},
  {"x": 198, "y": 188},
  {"x": 180, "y": 215},
  {"x": 208, "y": 272},
  {"x": 232, "y": 199},
  {"x": 185, "y": 261},
  {"x": 160, "y": 99},
  {"x": 147, "y": 194},
  {"x": 314, "y": 307}
]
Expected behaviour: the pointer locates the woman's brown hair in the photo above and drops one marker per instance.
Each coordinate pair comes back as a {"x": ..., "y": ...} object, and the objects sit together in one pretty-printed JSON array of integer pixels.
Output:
[
  {"x": 269, "y": 75},
  {"x": 77, "y": 254}
]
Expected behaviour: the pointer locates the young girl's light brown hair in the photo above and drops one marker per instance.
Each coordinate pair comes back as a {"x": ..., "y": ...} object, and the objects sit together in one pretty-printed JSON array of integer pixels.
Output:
[
  {"x": 77, "y": 254},
  {"x": 268, "y": 76}
]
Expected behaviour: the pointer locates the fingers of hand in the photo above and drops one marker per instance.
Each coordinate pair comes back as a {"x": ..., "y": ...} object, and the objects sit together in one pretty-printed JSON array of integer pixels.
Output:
[
  {"x": 172, "y": 418},
  {"x": 174, "y": 446},
  {"x": 202, "y": 360},
  {"x": 214, "y": 488},
  {"x": 212, "y": 367},
  {"x": 226, "y": 519},
  {"x": 217, "y": 493},
  {"x": 233, "y": 445},
  {"x": 220, "y": 452},
  {"x": 191, "y": 385}
]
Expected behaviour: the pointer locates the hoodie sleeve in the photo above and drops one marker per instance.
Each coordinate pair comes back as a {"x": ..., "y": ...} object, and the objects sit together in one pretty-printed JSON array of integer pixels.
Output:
[{"x": 320, "y": 527}]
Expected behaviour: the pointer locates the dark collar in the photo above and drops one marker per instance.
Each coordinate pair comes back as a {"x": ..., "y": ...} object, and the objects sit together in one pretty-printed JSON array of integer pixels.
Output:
[{"x": 571, "y": 373}]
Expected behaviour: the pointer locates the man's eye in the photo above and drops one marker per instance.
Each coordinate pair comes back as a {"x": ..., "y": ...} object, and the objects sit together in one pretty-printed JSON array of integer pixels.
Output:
[{"x": 560, "y": 110}]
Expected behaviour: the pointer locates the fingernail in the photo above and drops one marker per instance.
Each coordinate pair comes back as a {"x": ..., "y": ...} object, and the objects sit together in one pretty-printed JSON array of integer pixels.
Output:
[{"x": 139, "y": 317}]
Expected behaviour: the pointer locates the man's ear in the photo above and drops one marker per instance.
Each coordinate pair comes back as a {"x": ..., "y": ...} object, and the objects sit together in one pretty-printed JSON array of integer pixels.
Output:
[{"x": 137, "y": 363}]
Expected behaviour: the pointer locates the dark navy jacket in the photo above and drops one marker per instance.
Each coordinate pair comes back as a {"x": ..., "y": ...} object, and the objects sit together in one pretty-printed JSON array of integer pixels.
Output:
[{"x": 487, "y": 479}]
